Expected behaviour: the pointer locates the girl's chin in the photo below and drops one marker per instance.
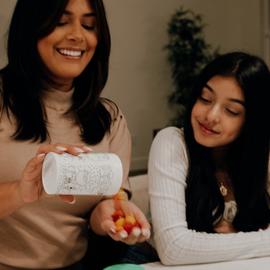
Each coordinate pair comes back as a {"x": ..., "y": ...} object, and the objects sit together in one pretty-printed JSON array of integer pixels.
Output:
[{"x": 206, "y": 142}]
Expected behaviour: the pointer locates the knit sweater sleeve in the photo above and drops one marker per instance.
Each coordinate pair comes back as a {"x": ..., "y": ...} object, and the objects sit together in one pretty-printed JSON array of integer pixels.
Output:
[
  {"x": 175, "y": 243},
  {"x": 120, "y": 142}
]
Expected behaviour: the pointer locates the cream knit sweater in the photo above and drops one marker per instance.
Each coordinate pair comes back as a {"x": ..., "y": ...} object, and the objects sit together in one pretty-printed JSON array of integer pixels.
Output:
[{"x": 176, "y": 244}]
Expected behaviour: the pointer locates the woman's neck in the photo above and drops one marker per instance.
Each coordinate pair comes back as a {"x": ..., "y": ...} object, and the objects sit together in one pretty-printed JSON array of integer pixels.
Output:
[
  {"x": 220, "y": 158},
  {"x": 64, "y": 87},
  {"x": 61, "y": 85}
]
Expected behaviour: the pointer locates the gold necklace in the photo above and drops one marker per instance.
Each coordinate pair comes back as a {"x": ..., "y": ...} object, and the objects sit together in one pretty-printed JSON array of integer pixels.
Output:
[{"x": 223, "y": 190}]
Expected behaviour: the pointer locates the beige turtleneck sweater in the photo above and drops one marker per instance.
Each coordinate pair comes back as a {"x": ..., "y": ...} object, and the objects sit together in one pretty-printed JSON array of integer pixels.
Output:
[{"x": 50, "y": 233}]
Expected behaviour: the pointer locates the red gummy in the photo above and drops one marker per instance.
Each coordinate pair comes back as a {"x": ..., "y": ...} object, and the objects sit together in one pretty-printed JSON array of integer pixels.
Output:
[
  {"x": 117, "y": 214},
  {"x": 128, "y": 227}
]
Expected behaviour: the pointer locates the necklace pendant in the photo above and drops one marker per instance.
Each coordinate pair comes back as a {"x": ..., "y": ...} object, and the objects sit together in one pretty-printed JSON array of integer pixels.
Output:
[{"x": 223, "y": 190}]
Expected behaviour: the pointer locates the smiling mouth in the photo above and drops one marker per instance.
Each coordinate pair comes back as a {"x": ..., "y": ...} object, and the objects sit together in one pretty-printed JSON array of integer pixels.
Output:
[
  {"x": 207, "y": 130},
  {"x": 71, "y": 52}
]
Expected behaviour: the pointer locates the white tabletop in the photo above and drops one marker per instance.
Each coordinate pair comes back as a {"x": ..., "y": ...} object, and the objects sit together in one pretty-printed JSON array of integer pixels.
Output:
[{"x": 252, "y": 264}]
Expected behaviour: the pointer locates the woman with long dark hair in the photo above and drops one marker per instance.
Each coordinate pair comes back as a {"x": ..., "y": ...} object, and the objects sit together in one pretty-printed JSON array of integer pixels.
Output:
[
  {"x": 58, "y": 57},
  {"x": 209, "y": 181}
]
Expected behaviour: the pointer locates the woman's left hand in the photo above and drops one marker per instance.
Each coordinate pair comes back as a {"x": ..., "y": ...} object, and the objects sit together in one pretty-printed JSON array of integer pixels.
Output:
[{"x": 101, "y": 221}]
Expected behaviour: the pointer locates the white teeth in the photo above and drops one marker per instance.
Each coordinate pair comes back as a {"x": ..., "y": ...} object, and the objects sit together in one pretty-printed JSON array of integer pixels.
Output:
[{"x": 70, "y": 52}]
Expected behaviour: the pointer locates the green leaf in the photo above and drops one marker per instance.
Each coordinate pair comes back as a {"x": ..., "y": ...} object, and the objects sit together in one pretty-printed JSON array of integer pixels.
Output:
[{"x": 187, "y": 53}]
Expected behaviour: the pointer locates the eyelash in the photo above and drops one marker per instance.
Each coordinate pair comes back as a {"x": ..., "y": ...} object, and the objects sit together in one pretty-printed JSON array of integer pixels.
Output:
[
  {"x": 85, "y": 26},
  {"x": 89, "y": 27},
  {"x": 204, "y": 100},
  {"x": 208, "y": 101},
  {"x": 61, "y": 23},
  {"x": 232, "y": 112}
]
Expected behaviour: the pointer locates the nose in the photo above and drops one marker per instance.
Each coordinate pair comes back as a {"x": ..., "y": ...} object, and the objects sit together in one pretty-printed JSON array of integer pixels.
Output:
[
  {"x": 75, "y": 33},
  {"x": 213, "y": 114}
]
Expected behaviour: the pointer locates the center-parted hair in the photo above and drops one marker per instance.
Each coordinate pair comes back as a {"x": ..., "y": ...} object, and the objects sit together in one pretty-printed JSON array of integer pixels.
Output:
[
  {"x": 25, "y": 77},
  {"x": 248, "y": 155}
]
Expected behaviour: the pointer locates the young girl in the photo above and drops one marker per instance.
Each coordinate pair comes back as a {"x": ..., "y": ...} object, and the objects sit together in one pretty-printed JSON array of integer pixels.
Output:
[
  {"x": 209, "y": 182},
  {"x": 58, "y": 55}
]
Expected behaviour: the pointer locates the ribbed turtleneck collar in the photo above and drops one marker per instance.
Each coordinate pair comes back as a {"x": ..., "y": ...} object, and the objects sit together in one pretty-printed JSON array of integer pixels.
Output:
[{"x": 57, "y": 100}]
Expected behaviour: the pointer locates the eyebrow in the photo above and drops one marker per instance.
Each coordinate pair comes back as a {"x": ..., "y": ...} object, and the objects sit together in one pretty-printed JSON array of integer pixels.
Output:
[
  {"x": 230, "y": 99},
  {"x": 90, "y": 14}
]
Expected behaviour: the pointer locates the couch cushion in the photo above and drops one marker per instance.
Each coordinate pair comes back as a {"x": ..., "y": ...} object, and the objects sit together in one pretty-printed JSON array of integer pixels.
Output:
[{"x": 139, "y": 188}]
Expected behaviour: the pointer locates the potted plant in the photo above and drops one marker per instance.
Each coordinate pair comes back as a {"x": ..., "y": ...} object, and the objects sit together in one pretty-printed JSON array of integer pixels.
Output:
[{"x": 188, "y": 53}]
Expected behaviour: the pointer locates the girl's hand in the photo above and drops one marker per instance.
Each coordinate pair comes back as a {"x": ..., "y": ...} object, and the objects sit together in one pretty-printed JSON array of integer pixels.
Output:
[
  {"x": 30, "y": 185},
  {"x": 101, "y": 221},
  {"x": 224, "y": 227}
]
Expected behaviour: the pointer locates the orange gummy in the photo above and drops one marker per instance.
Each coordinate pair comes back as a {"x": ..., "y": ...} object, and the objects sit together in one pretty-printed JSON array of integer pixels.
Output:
[
  {"x": 130, "y": 219},
  {"x": 120, "y": 222},
  {"x": 119, "y": 228},
  {"x": 121, "y": 195},
  {"x": 123, "y": 222}
]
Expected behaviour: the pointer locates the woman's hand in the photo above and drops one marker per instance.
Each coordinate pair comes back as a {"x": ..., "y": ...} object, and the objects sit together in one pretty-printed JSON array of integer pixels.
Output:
[
  {"x": 101, "y": 221},
  {"x": 30, "y": 185},
  {"x": 224, "y": 226}
]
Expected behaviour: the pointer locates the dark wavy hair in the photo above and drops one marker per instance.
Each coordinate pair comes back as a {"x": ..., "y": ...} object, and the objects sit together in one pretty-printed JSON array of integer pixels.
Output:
[
  {"x": 248, "y": 155},
  {"x": 25, "y": 76}
]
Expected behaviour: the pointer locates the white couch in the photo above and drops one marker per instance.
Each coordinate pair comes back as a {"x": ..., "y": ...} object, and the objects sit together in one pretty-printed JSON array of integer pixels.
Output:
[{"x": 139, "y": 188}]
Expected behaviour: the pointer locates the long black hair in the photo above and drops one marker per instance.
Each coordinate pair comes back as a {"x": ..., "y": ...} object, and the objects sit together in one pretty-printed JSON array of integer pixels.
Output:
[
  {"x": 248, "y": 155},
  {"x": 25, "y": 76}
]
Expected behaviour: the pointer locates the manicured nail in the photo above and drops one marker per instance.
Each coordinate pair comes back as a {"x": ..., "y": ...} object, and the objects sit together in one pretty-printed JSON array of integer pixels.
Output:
[
  {"x": 61, "y": 148},
  {"x": 146, "y": 233},
  {"x": 41, "y": 156},
  {"x": 123, "y": 234},
  {"x": 87, "y": 148},
  {"x": 73, "y": 201},
  {"x": 112, "y": 230},
  {"x": 136, "y": 231},
  {"x": 78, "y": 150}
]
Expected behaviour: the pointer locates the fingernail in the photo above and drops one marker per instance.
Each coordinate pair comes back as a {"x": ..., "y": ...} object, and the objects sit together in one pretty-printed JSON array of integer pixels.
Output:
[
  {"x": 73, "y": 201},
  {"x": 123, "y": 234},
  {"x": 41, "y": 156},
  {"x": 61, "y": 148},
  {"x": 88, "y": 148},
  {"x": 78, "y": 150},
  {"x": 112, "y": 230},
  {"x": 136, "y": 231},
  {"x": 146, "y": 233}
]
